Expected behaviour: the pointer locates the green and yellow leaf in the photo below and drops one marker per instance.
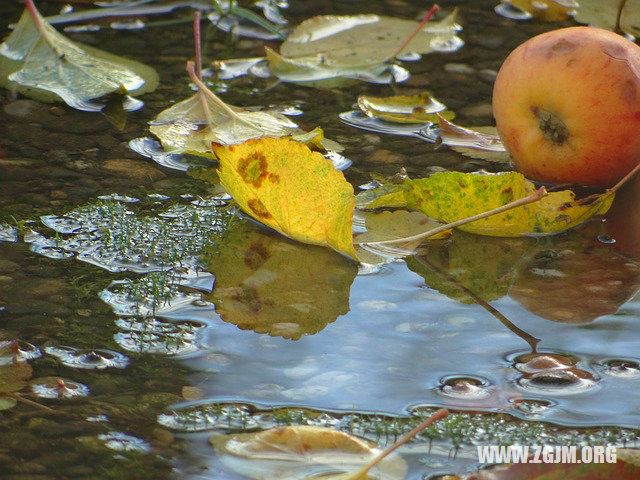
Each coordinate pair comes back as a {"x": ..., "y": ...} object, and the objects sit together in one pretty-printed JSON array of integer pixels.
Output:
[
  {"x": 286, "y": 186},
  {"x": 451, "y": 196}
]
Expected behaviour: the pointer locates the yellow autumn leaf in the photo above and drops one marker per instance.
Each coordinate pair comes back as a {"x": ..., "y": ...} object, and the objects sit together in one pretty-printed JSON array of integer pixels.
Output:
[
  {"x": 451, "y": 196},
  {"x": 286, "y": 186},
  {"x": 297, "y": 452}
]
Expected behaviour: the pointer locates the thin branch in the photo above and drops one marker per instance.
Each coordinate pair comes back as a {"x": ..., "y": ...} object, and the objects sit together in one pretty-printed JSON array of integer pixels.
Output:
[
  {"x": 426, "y": 18},
  {"x": 362, "y": 473},
  {"x": 197, "y": 41},
  {"x": 534, "y": 197}
]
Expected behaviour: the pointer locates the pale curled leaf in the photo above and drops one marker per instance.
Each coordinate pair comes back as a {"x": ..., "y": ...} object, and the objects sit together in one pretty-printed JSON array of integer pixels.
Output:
[
  {"x": 404, "y": 108},
  {"x": 451, "y": 196},
  {"x": 283, "y": 184},
  {"x": 297, "y": 452},
  {"x": 187, "y": 126},
  {"x": 477, "y": 142},
  {"x": 45, "y": 65}
]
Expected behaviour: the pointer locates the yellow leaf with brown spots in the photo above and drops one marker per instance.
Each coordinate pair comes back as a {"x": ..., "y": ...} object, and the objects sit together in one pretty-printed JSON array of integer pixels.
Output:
[{"x": 286, "y": 186}]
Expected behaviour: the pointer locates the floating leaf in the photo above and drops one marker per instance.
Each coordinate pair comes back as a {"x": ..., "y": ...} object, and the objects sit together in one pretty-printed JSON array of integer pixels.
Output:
[
  {"x": 296, "y": 452},
  {"x": 404, "y": 108},
  {"x": 487, "y": 266},
  {"x": 330, "y": 46},
  {"x": 283, "y": 184},
  {"x": 479, "y": 142},
  {"x": 271, "y": 285},
  {"x": 192, "y": 124},
  {"x": 451, "y": 196},
  {"x": 607, "y": 15},
  {"x": 548, "y": 10},
  {"x": 39, "y": 62}
]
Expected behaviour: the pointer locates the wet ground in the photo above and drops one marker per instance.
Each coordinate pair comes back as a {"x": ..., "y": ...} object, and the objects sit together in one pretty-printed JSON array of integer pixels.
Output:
[{"x": 108, "y": 262}]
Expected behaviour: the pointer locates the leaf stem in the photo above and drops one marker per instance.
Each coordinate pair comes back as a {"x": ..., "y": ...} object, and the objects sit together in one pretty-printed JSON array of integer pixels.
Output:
[
  {"x": 362, "y": 473},
  {"x": 197, "y": 42},
  {"x": 37, "y": 18},
  {"x": 426, "y": 18},
  {"x": 626, "y": 178},
  {"x": 204, "y": 90},
  {"x": 534, "y": 197}
]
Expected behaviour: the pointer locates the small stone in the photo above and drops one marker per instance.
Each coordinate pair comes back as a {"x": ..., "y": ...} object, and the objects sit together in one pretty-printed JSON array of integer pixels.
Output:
[
  {"x": 133, "y": 170},
  {"x": 488, "y": 75},
  {"x": 7, "y": 266},
  {"x": 162, "y": 438},
  {"x": 83, "y": 312},
  {"x": 478, "y": 110},
  {"x": 386, "y": 156},
  {"x": 57, "y": 195},
  {"x": 459, "y": 68}
]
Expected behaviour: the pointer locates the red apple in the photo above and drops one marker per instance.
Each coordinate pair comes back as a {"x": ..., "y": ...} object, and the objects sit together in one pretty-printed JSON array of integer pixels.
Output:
[{"x": 567, "y": 106}]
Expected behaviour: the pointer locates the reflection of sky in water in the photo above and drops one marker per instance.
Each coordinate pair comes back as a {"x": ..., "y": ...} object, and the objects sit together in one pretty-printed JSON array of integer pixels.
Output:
[{"x": 400, "y": 339}]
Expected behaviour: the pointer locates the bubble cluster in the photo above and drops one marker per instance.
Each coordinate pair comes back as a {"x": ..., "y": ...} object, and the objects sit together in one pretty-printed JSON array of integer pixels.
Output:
[{"x": 88, "y": 359}]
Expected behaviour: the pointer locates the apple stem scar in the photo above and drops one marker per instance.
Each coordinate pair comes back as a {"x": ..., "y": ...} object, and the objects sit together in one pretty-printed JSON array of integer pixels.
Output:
[{"x": 552, "y": 127}]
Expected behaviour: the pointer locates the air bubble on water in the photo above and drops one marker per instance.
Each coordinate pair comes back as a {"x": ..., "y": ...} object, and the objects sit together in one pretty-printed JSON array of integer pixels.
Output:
[
  {"x": 209, "y": 417},
  {"x": 532, "y": 407},
  {"x": 116, "y": 197},
  {"x": 8, "y": 233},
  {"x": 151, "y": 335},
  {"x": 511, "y": 12},
  {"x": 567, "y": 381},
  {"x": 88, "y": 359},
  {"x": 158, "y": 196},
  {"x": 446, "y": 45},
  {"x": 56, "y": 387},
  {"x": 122, "y": 442},
  {"x": 621, "y": 368},
  {"x": 17, "y": 350},
  {"x": 409, "y": 57},
  {"x": 465, "y": 387},
  {"x": 538, "y": 362}
]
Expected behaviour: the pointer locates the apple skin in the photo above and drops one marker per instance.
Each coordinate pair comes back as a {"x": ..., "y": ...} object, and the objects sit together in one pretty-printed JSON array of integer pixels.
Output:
[{"x": 567, "y": 106}]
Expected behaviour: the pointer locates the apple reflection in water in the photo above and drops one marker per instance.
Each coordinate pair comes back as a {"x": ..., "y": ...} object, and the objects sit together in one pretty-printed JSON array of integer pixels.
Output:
[{"x": 582, "y": 278}]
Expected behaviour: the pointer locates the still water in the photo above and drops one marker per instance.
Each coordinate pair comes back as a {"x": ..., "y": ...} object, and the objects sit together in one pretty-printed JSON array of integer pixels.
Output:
[{"x": 249, "y": 330}]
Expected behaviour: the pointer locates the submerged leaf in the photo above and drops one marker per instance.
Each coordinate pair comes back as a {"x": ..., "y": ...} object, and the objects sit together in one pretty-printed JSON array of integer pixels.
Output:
[
  {"x": 41, "y": 63},
  {"x": 404, "y": 108},
  {"x": 296, "y": 452},
  {"x": 451, "y": 196},
  {"x": 272, "y": 285},
  {"x": 14, "y": 377},
  {"x": 283, "y": 184}
]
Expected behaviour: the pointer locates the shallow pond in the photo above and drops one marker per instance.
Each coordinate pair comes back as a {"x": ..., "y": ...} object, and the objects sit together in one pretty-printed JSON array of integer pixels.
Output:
[{"x": 170, "y": 319}]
